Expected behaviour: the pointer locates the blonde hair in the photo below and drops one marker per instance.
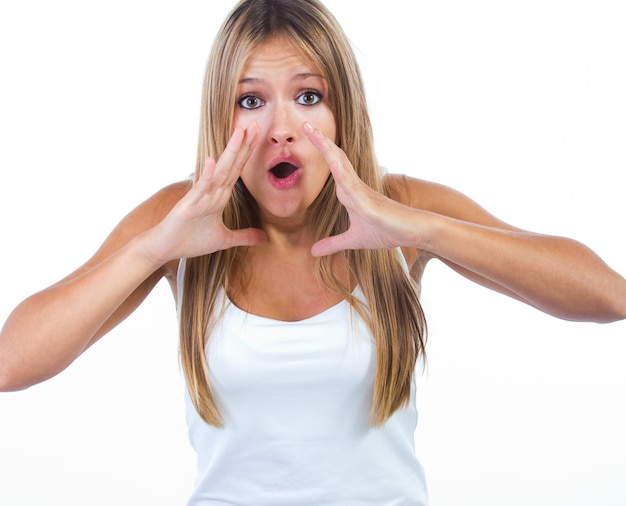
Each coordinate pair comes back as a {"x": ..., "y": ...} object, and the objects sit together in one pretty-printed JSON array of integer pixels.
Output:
[{"x": 392, "y": 312}]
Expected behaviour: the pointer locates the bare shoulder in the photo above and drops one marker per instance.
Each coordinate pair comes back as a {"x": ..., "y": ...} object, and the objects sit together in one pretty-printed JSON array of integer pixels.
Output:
[
  {"x": 155, "y": 208},
  {"x": 439, "y": 199},
  {"x": 146, "y": 215}
]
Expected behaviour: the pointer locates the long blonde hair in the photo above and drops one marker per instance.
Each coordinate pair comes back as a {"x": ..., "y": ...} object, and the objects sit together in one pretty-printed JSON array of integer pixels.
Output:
[{"x": 392, "y": 310}]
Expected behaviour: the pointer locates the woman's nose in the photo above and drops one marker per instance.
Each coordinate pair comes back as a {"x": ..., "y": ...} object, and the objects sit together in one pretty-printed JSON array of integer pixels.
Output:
[{"x": 282, "y": 127}]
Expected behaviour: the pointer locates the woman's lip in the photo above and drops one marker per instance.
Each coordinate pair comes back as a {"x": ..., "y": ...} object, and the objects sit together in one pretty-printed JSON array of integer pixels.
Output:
[
  {"x": 283, "y": 159},
  {"x": 284, "y": 183},
  {"x": 283, "y": 169}
]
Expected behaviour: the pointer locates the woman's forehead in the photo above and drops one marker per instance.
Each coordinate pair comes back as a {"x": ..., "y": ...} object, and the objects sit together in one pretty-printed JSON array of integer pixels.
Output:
[{"x": 280, "y": 54}]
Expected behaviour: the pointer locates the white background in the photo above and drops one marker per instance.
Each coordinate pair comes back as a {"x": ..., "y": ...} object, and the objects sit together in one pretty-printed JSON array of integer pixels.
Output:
[{"x": 520, "y": 105}]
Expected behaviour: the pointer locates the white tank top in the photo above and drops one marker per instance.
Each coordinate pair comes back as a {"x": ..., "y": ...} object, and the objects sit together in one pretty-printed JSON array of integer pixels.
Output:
[{"x": 296, "y": 398}]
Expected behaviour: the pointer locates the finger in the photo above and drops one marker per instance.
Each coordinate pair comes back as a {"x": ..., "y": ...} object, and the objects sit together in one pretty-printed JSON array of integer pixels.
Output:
[
  {"x": 202, "y": 185},
  {"x": 224, "y": 165},
  {"x": 237, "y": 153},
  {"x": 333, "y": 154},
  {"x": 321, "y": 142},
  {"x": 250, "y": 142},
  {"x": 336, "y": 159},
  {"x": 330, "y": 245},
  {"x": 245, "y": 237},
  {"x": 242, "y": 154},
  {"x": 209, "y": 169}
]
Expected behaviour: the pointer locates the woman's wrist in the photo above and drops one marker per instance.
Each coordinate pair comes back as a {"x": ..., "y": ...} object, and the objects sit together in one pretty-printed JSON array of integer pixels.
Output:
[
  {"x": 421, "y": 229},
  {"x": 150, "y": 249}
]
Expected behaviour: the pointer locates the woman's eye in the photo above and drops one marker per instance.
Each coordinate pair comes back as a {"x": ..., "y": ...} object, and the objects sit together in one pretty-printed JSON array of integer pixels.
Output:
[
  {"x": 250, "y": 102},
  {"x": 309, "y": 98}
]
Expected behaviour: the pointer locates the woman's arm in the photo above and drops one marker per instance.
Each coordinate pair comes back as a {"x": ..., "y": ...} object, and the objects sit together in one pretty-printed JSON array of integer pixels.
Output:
[
  {"x": 51, "y": 328},
  {"x": 557, "y": 275},
  {"x": 47, "y": 331}
]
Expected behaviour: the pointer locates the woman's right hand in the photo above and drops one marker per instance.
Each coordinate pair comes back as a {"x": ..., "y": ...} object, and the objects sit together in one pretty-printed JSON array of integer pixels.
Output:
[
  {"x": 48, "y": 330},
  {"x": 195, "y": 226}
]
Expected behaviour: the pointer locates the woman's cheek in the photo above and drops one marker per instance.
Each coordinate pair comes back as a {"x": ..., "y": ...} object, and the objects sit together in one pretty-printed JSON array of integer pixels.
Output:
[{"x": 324, "y": 119}]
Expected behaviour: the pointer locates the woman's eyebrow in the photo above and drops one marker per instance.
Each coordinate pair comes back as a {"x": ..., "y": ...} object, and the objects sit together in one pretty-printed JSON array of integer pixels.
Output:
[
  {"x": 254, "y": 80},
  {"x": 297, "y": 77},
  {"x": 306, "y": 75}
]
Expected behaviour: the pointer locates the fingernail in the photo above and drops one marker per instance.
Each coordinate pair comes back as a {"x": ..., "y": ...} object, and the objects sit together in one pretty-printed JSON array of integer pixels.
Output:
[{"x": 308, "y": 126}]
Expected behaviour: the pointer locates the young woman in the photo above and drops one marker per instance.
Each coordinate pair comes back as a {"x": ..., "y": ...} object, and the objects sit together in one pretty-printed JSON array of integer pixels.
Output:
[{"x": 296, "y": 265}]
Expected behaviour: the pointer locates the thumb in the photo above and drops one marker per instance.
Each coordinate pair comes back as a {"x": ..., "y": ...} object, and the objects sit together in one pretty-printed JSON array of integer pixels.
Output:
[
  {"x": 246, "y": 237},
  {"x": 330, "y": 245}
]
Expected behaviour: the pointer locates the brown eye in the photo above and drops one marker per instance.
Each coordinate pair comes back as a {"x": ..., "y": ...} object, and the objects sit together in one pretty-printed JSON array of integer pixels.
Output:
[
  {"x": 250, "y": 102},
  {"x": 309, "y": 98}
]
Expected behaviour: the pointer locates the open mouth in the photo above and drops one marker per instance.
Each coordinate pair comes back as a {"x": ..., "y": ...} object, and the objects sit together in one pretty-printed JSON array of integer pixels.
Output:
[{"x": 283, "y": 170}]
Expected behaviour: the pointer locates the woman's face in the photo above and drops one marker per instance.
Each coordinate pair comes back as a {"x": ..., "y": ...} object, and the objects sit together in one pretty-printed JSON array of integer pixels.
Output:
[{"x": 281, "y": 90}]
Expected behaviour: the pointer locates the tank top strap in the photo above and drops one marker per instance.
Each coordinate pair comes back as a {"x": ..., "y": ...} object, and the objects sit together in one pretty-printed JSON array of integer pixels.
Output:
[{"x": 180, "y": 278}]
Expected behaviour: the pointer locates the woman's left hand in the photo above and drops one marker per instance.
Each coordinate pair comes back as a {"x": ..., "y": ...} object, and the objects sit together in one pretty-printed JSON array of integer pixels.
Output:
[{"x": 376, "y": 221}]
